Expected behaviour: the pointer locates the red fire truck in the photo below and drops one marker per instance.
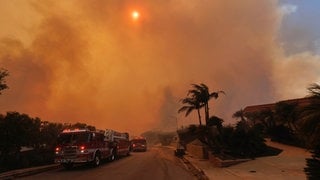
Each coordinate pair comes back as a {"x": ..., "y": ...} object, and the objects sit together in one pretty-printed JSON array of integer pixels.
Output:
[
  {"x": 84, "y": 146},
  {"x": 120, "y": 142},
  {"x": 139, "y": 144}
]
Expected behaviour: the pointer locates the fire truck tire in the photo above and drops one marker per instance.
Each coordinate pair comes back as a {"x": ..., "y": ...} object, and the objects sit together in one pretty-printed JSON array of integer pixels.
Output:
[
  {"x": 97, "y": 159},
  {"x": 67, "y": 165},
  {"x": 116, "y": 155},
  {"x": 112, "y": 157}
]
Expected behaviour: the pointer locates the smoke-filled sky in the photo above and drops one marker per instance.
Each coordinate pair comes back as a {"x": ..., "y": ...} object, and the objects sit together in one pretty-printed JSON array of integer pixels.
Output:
[{"x": 89, "y": 61}]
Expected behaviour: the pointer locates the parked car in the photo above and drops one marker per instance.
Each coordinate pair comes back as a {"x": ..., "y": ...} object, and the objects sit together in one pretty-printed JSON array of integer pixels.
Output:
[
  {"x": 180, "y": 151},
  {"x": 139, "y": 144}
]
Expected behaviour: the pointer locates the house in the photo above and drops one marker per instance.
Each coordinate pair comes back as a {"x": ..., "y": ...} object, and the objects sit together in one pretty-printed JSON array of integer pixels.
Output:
[{"x": 301, "y": 102}]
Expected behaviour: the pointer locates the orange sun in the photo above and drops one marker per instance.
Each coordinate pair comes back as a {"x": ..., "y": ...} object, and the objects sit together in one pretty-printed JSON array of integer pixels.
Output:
[{"x": 135, "y": 15}]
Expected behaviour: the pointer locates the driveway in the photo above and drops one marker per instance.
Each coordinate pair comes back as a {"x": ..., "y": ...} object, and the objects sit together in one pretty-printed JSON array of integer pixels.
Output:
[{"x": 289, "y": 164}]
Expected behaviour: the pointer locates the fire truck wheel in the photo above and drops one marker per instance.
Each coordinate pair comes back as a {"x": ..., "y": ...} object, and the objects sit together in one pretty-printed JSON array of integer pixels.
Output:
[
  {"x": 96, "y": 161},
  {"x": 112, "y": 157},
  {"x": 67, "y": 165}
]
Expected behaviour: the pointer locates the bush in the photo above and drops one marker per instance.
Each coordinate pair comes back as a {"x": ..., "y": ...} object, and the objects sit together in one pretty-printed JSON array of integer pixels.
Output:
[
  {"x": 238, "y": 142},
  {"x": 313, "y": 164},
  {"x": 247, "y": 144},
  {"x": 26, "y": 159},
  {"x": 166, "y": 138},
  {"x": 285, "y": 135}
]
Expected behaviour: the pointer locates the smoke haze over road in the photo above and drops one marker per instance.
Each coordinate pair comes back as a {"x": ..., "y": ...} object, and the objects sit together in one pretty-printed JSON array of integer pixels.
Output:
[{"x": 88, "y": 61}]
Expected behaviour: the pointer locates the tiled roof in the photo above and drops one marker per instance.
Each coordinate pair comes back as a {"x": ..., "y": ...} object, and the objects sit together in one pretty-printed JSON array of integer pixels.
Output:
[{"x": 257, "y": 108}]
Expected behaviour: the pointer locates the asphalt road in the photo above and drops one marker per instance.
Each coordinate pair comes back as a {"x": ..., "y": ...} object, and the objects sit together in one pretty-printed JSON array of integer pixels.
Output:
[{"x": 155, "y": 164}]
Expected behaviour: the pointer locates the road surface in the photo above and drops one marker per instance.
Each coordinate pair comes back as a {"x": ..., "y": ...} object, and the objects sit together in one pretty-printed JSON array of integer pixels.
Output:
[{"x": 155, "y": 164}]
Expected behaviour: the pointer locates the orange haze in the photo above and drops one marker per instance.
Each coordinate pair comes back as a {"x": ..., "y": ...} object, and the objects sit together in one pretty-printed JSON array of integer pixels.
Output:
[{"x": 87, "y": 61}]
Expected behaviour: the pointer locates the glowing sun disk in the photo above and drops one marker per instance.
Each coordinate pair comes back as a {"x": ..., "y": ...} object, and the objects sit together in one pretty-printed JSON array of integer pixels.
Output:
[{"x": 135, "y": 15}]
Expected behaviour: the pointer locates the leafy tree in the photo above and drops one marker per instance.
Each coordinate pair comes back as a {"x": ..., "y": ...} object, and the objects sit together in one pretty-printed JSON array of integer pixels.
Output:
[
  {"x": 83, "y": 126},
  {"x": 267, "y": 118},
  {"x": 49, "y": 133},
  {"x": 151, "y": 136},
  {"x": 3, "y": 74},
  {"x": 311, "y": 128},
  {"x": 18, "y": 130},
  {"x": 252, "y": 117},
  {"x": 264, "y": 117},
  {"x": 215, "y": 121},
  {"x": 166, "y": 138},
  {"x": 286, "y": 129},
  {"x": 243, "y": 123},
  {"x": 287, "y": 114},
  {"x": 311, "y": 116},
  {"x": 239, "y": 114}
]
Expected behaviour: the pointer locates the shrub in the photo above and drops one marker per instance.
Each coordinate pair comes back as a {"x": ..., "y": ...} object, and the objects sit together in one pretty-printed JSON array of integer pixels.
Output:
[
  {"x": 313, "y": 164},
  {"x": 239, "y": 142}
]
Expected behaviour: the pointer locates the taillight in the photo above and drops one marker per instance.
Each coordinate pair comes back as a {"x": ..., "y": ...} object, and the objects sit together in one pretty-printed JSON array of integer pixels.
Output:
[{"x": 58, "y": 149}]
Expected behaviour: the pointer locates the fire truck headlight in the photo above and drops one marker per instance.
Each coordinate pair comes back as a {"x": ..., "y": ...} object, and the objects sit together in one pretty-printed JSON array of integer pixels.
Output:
[{"x": 83, "y": 149}]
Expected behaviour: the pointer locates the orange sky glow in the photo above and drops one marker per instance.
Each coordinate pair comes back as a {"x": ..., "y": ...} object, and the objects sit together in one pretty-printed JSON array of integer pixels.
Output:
[{"x": 86, "y": 61}]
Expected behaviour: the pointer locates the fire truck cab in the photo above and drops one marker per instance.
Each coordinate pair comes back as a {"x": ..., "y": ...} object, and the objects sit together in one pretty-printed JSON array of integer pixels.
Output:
[{"x": 81, "y": 146}]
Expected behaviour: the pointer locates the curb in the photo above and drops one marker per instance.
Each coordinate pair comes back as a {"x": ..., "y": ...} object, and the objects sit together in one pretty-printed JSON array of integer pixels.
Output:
[
  {"x": 28, "y": 171},
  {"x": 197, "y": 172}
]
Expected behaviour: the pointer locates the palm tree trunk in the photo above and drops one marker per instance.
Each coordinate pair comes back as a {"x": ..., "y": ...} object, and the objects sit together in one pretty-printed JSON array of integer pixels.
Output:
[
  {"x": 206, "y": 107},
  {"x": 199, "y": 116}
]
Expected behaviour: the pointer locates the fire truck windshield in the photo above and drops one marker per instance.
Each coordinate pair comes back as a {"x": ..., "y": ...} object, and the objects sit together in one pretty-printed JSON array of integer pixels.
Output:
[{"x": 73, "y": 138}]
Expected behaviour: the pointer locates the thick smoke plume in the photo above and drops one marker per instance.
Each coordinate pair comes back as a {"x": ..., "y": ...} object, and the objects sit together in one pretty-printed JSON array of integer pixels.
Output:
[{"x": 88, "y": 61}]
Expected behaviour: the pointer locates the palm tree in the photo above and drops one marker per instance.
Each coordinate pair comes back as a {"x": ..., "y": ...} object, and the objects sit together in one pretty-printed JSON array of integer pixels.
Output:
[
  {"x": 197, "y": 98},
  {"x": 203, "y": 95},
  {"x": 191, "y": 104},
  {"x": 311, "y": 115}
]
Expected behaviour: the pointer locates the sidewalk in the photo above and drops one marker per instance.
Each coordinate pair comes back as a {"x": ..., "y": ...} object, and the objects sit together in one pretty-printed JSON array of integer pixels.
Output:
[
  {"x": 287, "y": 165},
  {"x": 27, "y": 171}
]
